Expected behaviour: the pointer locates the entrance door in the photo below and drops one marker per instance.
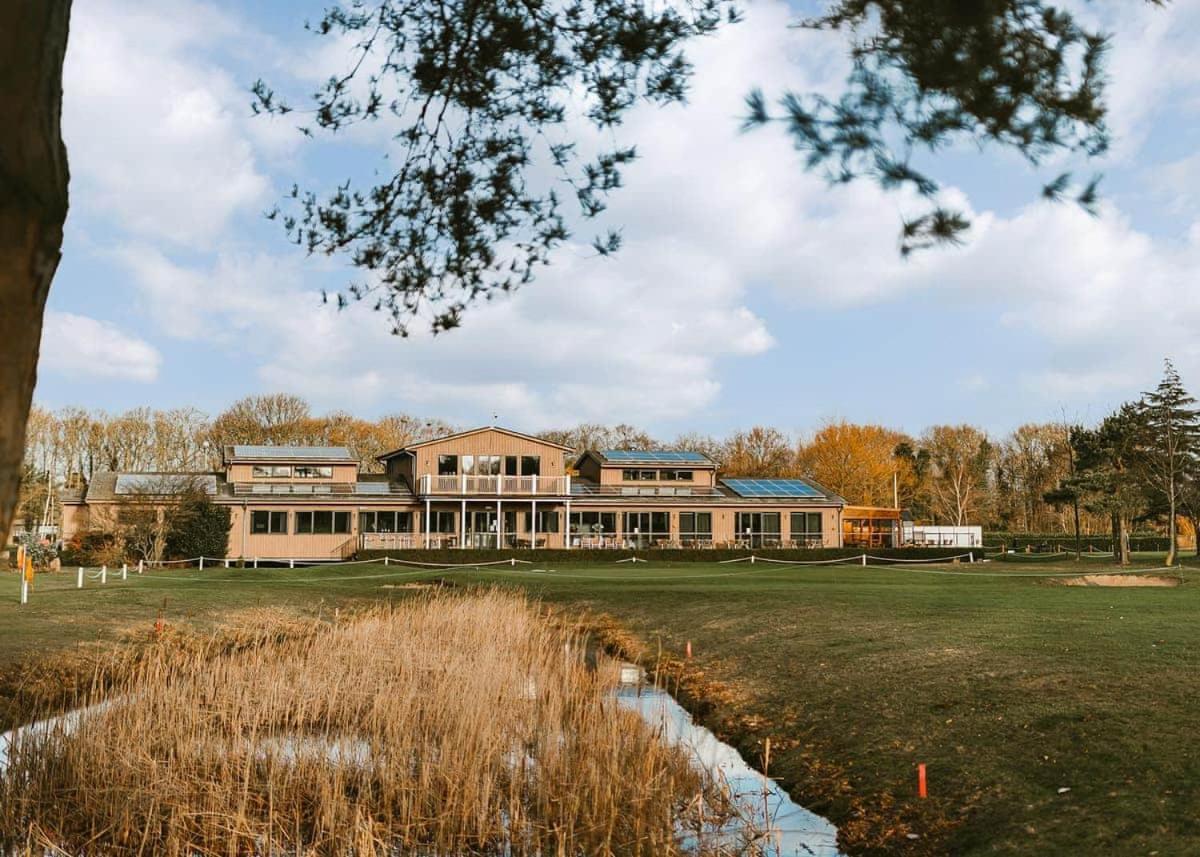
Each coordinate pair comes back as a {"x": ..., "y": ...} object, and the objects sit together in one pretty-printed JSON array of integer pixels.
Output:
[
  {"x": 510, "y": 528},
  {"x": 482, "y": 532}
]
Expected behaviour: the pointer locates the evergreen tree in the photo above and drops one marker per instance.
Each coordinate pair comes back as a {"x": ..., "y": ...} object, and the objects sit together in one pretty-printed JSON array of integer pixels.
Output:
[
  {"x": 1170, "y": 446},
  {"x": 1108, "y": 478},
  {"x": 200, "y": 529}
]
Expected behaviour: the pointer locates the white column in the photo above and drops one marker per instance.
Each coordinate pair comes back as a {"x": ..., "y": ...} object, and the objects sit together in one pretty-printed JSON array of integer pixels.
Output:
[
  {"x": 499, "y": 524},
  {"x": 567, "y": 528},
  {"x": 79, "y": 579},
  {"x": 462, "y": 523},
  {"x": 427, "y": 523},
  {"x": 533, "y": 518}
]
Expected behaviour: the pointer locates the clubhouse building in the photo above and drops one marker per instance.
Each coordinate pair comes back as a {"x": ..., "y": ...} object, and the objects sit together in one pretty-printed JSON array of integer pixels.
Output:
[{"x": 492, "y": 488}]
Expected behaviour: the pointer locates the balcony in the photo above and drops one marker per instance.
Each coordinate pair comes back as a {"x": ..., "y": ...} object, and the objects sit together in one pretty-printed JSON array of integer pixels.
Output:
[
  {"x": 319, "y": 489},
  {"x": 494, "y": 486}
]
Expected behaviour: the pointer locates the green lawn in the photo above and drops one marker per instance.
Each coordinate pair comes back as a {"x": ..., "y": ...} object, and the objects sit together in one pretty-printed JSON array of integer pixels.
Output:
[{"x": 1008, "y": 686}]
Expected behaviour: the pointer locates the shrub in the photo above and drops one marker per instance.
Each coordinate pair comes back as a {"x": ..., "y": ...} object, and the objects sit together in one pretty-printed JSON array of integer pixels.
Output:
[
  {"x": 95, "y": 546},
  {"x": 200, "y": 528}
]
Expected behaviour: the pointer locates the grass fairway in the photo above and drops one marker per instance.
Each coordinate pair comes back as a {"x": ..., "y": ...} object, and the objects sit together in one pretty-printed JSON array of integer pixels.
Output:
[{"x": 1007, "y": 685}]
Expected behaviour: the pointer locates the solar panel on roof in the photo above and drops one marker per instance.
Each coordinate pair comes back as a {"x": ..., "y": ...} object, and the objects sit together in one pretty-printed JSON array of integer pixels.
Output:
[
  {"x": 264, "y": 451},
  {"x": 655, "y": 456},
  {"x": 372, "y": 488},
  {"x": 771, "y": 488},
  {"x": 163, "y": 483}
]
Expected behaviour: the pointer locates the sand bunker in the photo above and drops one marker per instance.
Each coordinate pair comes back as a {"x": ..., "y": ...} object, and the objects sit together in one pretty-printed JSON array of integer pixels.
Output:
[{"x": 1120, "y": 580}]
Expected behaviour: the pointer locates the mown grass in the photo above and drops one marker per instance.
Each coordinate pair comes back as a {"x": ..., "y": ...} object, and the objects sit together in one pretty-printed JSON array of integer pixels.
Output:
[{"x": 1008, "y": 687}]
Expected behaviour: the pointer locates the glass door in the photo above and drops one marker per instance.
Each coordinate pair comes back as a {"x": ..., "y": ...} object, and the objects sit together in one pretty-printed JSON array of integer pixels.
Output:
[{"x": 482, "y": 530}]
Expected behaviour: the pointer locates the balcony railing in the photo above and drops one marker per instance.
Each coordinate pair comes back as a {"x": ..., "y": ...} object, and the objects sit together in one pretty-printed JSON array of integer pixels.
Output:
[
  {"x": 495, "y": 486},
  {"x": 318, "y": 489}
]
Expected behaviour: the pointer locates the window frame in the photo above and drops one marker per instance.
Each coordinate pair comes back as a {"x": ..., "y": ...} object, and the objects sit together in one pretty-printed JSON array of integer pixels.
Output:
[{"x": 272, "y": 526}]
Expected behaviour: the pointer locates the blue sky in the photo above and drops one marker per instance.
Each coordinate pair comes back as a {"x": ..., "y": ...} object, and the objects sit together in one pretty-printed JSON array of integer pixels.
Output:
[{"x": 747, "y": 292}]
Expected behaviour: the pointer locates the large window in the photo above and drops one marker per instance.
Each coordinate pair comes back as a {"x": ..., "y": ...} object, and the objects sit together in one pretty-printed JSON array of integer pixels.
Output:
[
  {"x": 385, "y": 522},
  {"x": 322, "y": 523},
  {"x": 547, "y": 521},
  {"x": 593, "y": 523},
  {"x": 263, "y": 521},
  {"x": 644, "y": 529},
  {"x": 760, "y": 529},
  {"x": 531, "y": 465},
  {"x": 442, "y": 522},
  {"x": 695, "y": 526},
  {"x": 806, "y": 528},
  {"x": 310, "y": 472},
  {"x": 639, "y": 475},
  {"x": 481, "y": 465},
  {"x": 676, "y": 475},
  {"x": 447, "y": 465},
  {"x": 269, "y": 471}
]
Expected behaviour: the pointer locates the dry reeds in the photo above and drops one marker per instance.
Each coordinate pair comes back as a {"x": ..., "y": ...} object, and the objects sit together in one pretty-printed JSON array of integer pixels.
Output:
[{"x": 446, "y": 725}]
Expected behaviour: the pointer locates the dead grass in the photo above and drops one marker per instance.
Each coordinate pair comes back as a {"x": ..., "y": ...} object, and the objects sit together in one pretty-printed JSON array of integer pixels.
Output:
[{"x": 450, "y": 724}]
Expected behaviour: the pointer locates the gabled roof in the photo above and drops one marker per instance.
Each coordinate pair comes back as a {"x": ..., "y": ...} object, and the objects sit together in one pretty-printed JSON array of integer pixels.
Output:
[
  {"x": 469, "y": 432},
  {"x": 266, "y": 452}
]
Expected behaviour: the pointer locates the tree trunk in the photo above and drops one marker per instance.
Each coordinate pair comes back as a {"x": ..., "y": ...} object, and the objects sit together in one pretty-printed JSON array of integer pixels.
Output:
[
  {"x": 1116, "y": 537},
  {"x": 33, "y": 208}
]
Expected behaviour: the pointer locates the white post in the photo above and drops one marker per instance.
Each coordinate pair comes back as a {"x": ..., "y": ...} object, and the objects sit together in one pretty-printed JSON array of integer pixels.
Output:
[
  {"x": 385, "y": 559},
  {"x": 427, "y": 524},
  {"x": 227, "y": 563},
  {"x": 24, "y": 589},
  {"x": 462, "y": 522},
  {"x": 752, "y": 559},
  {"x": 499, "y": 523},
  {"x": 567, "y": 532},
  {"x": 202, "y": 563},
  {"x": 971, "y": 557},
  {"x": 533, "y": 517},
  {"x": 79, "y": 578},
  {"x": 104, "y": 574},
  {"x": 124, "y": 571},
  {"x": 256, "y": 562},
  {"x": 291, "y": 563},
  {"x": 864, "y": 560},
  {"x": 141, "y": 565}
]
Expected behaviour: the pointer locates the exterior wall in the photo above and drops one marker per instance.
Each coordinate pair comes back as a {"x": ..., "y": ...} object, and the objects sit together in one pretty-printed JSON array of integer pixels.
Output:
[
  {"x": 489, "y": 443},
  {"x": 611, "y": 474},
  {"x": 74, "y": 520},
  {"x": 293, "y": 545},
  {"x": 245, "y": 472}
]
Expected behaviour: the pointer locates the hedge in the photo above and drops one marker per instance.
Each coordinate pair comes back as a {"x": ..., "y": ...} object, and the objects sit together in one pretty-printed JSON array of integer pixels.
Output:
[
  {"x": 452, "y": 556},
  {"x": 1049, "y": 541}
]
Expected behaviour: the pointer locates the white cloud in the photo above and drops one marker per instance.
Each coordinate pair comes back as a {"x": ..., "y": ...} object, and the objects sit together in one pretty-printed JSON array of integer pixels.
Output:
[
  {"x": 156, "y": 131},
  {"x": 712, "y": 218},
  {"x": 81, "y": 347}
]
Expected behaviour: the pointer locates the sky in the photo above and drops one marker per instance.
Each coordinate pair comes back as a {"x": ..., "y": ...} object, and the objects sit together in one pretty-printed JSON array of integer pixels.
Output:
[{"x": 747, "y": 292}]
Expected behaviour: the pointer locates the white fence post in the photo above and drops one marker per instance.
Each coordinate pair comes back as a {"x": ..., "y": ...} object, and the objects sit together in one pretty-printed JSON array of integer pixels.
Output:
[
  {"x": 141, "y": 565},
  {"x": 971, "y": 556},
  {"x": 864, "y": 558},
  {"x": 79, "y": 578},
  {"x": 202, "y": 563},
  {"x": 291, "y": 563},
  {"x": 256, "y": 562},
  {"x": 385, "y": 559},
  {"x": 124, "y": 571},
  {"x": 104, "y": 574},
  {"x": 24, "y": 589}
]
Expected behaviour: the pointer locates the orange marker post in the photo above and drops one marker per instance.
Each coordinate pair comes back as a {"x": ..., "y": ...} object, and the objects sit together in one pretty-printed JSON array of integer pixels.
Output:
[
  {"x": 689, "y": 649},
  {"x": 921, "y": 790}
]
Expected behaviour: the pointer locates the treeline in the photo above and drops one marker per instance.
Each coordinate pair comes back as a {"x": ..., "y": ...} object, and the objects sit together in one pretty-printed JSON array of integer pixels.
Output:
[{"x": 1041, "y": 478}]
